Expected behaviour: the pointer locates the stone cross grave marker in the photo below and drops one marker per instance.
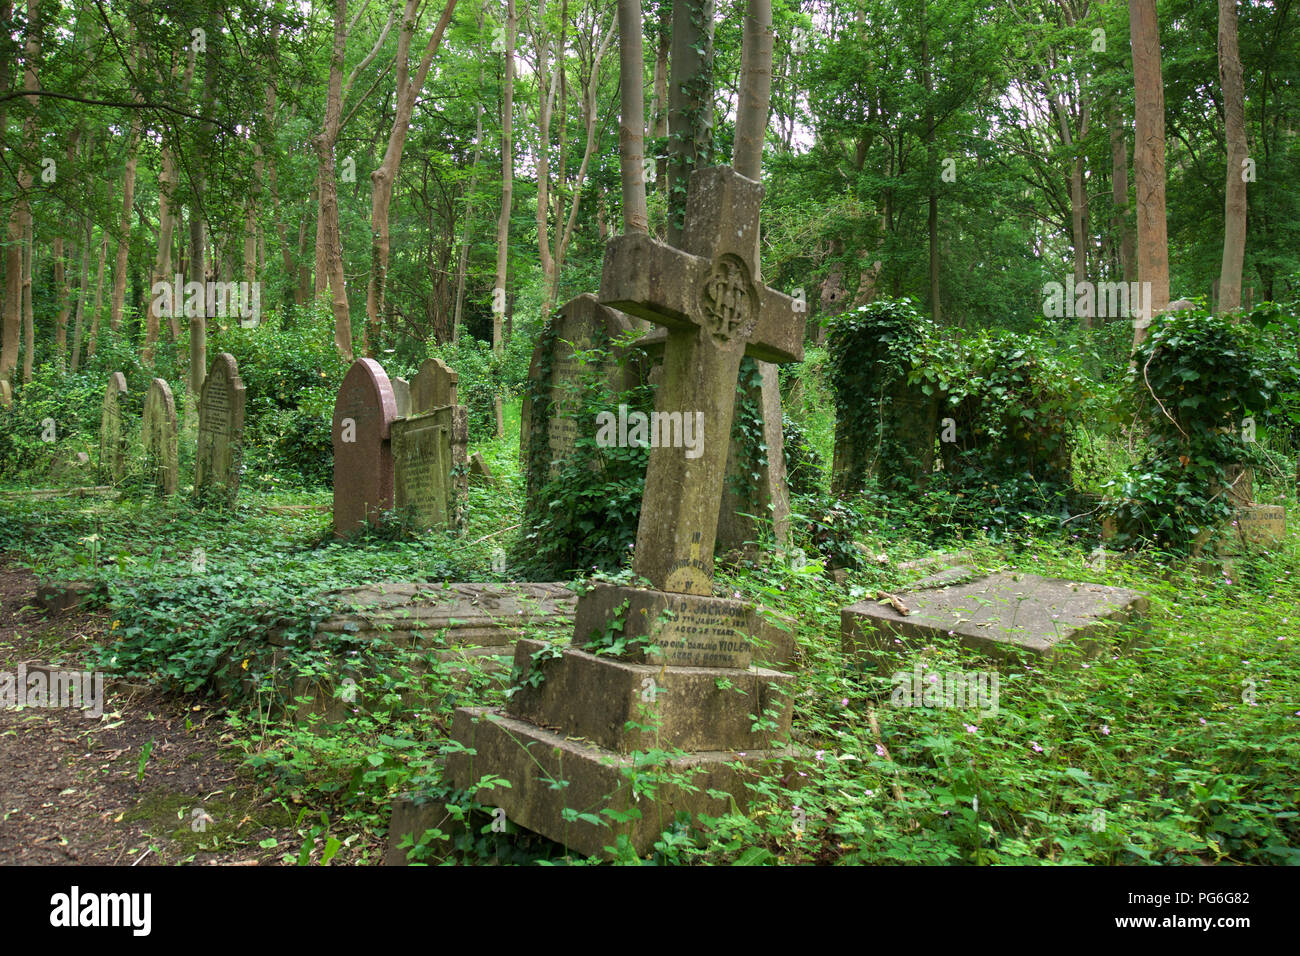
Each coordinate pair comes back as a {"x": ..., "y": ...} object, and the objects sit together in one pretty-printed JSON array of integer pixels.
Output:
[
  {"x": 716, "y": 312},
  {"x": 363, "y": 461},
  {"x": 219, "y": 454},
  {"x": 160, "y": 438},
  {"x": 687, "y": 652},
  {"x": 112, "y": 447}
]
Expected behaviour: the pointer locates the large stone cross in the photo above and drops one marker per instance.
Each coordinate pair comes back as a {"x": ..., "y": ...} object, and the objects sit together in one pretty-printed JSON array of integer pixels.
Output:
[{"x": 716, "y": 311}]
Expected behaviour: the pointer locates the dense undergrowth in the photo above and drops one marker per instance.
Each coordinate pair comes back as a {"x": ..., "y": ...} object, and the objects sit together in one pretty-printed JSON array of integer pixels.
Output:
[{"x": 1178, "y": 749}]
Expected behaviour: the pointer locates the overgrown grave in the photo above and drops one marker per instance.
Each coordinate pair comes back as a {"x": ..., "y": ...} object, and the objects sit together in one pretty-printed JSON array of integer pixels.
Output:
[
  {"x": 403, "y": 630},
  {"x": 160, "y": 438},
  {"x": 219, "y": 455},
  {"x": 112, "y": 441},
  {"x": 429, "y": 445},
  {"x": 984, "y": 426},
  {"x": 670, "y": 657},
  {"x": 1197, "y": 384}
]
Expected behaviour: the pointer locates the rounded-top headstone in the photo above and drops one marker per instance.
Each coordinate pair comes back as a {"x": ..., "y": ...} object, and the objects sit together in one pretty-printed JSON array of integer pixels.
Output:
[
  {"x": 363, "y": 462},
  {"x": 112, "y": 447},
  {"x": 218, "y": 457},
  {"x": 159, "y": 435}
]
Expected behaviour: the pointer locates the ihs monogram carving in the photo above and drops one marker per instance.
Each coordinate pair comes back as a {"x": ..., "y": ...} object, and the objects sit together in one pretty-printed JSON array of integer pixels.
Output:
[{"x": 728, "y": 301}]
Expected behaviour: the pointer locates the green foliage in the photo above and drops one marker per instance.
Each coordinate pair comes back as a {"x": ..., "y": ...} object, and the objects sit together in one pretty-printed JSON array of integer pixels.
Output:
[
  {"x": 479, "y": 380},
  {"x": 804, "y": 468},
  {"x": 55, "y": 405},
  {"x": 1196, "y": 378}
]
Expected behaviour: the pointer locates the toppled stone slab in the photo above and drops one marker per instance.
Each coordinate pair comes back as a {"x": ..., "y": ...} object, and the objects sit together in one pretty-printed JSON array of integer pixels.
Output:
[
  {"x": 427, "y": 615},
  {"x": 1007, "y": 615},
  {"x": 535, "y": 760}
]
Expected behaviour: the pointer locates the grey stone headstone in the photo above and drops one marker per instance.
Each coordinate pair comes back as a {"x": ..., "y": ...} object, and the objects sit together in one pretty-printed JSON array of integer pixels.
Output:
[
  {"x": 433, "y": 386},
  {"x": 112, "y": 444},
  {"x": 162, "y": 466},
  {"x": 219, "y": 454},
  {"x": 402, "y": 396},
  {"x": 422, "y": 468}
]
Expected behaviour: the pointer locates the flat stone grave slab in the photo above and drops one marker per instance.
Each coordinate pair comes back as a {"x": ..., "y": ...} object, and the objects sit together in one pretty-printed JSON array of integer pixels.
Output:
[
  {"x": 471, "y": 623},
  {"x": 1006, "y": 615}
]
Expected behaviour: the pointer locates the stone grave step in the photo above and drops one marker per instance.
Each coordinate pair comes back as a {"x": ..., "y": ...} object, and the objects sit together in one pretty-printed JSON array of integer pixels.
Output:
[
  {"x": 534, "y": 759},
  {"x": 596, "y": 697},
  {"x": 1006, "y": 615}
]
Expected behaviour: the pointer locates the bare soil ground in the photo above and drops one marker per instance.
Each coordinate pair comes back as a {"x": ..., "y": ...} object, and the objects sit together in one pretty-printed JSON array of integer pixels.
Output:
[{"x": 72, "y": 787}]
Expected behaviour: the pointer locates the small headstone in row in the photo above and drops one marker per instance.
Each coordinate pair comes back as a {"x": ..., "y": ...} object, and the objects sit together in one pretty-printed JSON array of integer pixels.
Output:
[
  {"x": 112, "y": 447},
  {"x": 219, "y": 454},
  {"x": 162, "y": 466},
  {"x": 363, "y": 461}
]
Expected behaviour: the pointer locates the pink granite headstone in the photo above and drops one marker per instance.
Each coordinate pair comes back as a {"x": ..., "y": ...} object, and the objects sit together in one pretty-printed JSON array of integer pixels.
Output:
[{"x": 363, "y": 460}]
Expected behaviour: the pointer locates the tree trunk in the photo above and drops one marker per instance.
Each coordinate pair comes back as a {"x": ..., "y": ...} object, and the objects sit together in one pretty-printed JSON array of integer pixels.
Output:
[
  {"x": 29, "y": 317},
  {"x": 1149, "y": 159},
  {"x": 1234, "y": 127},
  {"x": 659, "y": 97},
  {"x": 755, "y": 90},
  {"x": 118, "y": 300},
  {"x": 95, "y": 313},
  {"x": 384, "y": 177},
  {"x": 462, "y": 261},
  {"x": 1119, "y": 193},
  {"x": 329, "y": 245},
  {"x": 21, "y": 216},
  {"x": 689, "y": 104},
  {"x": 78, "y": 323},
  {"x": 507, "y": 188},
  {"x": 631, "y": 127}
]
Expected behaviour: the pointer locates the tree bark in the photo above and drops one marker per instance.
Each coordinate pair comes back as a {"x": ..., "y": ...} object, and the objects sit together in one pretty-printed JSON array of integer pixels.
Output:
[
  {"x": 659, "y": 96},
  {"x": 1149, "y": 159},
  {"x": 21, "y": 215},
  {"x": 95, "y": 313},
  {"x": 78, "y": 322},
  {"x": 690, "y": 100},
  {"x": 631, "y": 127},
  {"x": 507, "y": 189},
  {"x": 1234, "y": 127},
  {"x": 755, "y": 93},
  {"x": 329, "y": 248},
  {"x": 462, "y": 261},
  {"x": 385, "y": 175}
]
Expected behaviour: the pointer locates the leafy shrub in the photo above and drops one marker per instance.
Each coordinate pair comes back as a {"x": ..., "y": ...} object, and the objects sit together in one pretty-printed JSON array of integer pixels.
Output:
[{"x": 1196, "y": 378}]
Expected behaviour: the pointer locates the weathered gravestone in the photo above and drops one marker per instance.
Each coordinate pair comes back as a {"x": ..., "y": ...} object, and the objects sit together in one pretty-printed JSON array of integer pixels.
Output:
[
  {"x": 675, "y": 667},
  {"x": 401, "y": 396},
  {"x": 433, "y": 386},
  {"x": 219, "y": 454},
  {"x": 430, "y": 451},
  {"x": 548, "y": 426},
  {"x": 1008, "y": 615},
  {"x": 756, "y": 490},
  {"x": 159, "y": 437},
  {"x": 422, "y": 465},
  {"x": 363, "y": 462},
  {"x": 112, "y": 445},
  {"x": 6, "y": 393}
]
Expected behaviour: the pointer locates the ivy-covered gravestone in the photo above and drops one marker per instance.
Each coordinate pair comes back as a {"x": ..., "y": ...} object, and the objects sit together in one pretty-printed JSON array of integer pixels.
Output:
[{"x": 885, "y": 425}]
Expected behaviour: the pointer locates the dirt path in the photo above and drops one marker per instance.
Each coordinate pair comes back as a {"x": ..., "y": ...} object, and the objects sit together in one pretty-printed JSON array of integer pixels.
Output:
[{"x": 71, "y": 785}]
